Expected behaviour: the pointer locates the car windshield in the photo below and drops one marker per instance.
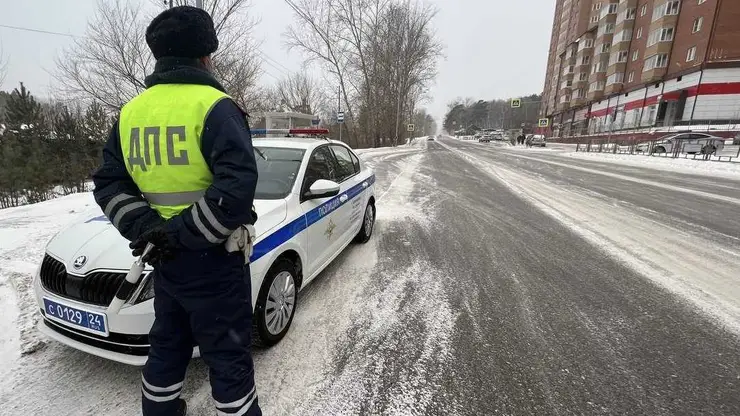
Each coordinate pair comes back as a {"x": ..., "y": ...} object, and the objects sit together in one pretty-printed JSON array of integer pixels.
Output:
[{"x": 277, "y": 168}]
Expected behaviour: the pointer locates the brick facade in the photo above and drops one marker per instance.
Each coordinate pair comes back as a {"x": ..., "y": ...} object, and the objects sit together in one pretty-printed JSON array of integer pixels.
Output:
[{"x": 687, "y": 64}]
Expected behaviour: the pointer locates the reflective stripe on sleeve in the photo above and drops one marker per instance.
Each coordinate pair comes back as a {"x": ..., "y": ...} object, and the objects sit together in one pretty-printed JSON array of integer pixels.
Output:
[
  {"x": 111, "y": 205},
  {"x": 206, "y": 210},
  {"x": 125, "y": 210},
  {"x": 202, "y": 228},
  {"x": 173, "y": 198}
]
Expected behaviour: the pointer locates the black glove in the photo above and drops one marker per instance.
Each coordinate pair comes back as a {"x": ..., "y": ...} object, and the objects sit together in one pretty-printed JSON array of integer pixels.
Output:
[{"x": 164, "y": 248}]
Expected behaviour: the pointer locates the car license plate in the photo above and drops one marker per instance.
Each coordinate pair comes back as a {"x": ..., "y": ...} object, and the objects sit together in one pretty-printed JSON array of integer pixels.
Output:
[{"x": 92, "y": 322}]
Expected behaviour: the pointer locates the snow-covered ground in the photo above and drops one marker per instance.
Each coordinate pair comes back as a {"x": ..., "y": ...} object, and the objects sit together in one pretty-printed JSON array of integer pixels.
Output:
[
  {"x": 684, "y": 259},
  {"x": 43, "y": 377},
  {"x": 696, "y": 167}
]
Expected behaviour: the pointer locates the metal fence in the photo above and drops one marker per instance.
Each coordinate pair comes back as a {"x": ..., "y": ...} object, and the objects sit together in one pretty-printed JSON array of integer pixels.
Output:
[{"x": 729, "y": 151}]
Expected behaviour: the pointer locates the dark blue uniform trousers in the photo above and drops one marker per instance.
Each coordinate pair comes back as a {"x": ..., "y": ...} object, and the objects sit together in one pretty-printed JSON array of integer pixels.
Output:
[{"x": 201, "y": 298}]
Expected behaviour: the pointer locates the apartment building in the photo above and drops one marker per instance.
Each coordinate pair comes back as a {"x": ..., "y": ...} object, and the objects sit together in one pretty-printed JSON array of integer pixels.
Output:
[{"x": 616, "y": 65}]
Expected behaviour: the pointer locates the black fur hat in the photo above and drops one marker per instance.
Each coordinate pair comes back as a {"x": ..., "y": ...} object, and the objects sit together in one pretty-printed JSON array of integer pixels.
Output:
[{"x": 182, "y": 32}]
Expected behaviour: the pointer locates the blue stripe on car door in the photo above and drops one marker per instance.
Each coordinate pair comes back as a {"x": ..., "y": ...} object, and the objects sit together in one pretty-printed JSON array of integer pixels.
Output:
[{"x": 285, "y": 233}]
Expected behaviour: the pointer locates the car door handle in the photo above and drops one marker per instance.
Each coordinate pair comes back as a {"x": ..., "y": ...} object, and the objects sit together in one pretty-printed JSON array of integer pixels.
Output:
[{"x": 343, "y": 198}]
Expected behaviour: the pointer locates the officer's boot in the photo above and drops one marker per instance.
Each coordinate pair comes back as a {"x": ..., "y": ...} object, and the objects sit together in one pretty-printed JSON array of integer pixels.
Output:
[{"x": 182, "y": 408}]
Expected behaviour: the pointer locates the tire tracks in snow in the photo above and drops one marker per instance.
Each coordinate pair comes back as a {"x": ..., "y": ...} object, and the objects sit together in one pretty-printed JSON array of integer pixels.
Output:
[
  {"x": 693, "y": 267},
  {"x": 391, "y": 358}
]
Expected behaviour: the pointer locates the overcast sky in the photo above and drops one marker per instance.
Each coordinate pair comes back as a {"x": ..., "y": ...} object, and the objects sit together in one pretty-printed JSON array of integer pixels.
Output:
[{"x": 493, "y": 48}]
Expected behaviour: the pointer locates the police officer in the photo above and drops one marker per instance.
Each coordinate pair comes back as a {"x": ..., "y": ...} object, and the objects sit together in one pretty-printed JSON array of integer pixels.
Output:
[{"x": 179, "y": 172}]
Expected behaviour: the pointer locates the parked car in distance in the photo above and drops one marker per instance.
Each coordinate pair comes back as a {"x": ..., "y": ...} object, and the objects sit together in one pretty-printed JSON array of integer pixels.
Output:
[
  {"x": 536, "y": 140},
  {"x": 687, "y": 142}
]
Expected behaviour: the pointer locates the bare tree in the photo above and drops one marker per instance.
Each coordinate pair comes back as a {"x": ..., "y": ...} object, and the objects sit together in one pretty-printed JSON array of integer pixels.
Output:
[
  {"x": 300, "y": 92},
  {"x": 3, "y": 66},
  {"x": 110, "y": 63},
  {"x": 383, "y": 54}
]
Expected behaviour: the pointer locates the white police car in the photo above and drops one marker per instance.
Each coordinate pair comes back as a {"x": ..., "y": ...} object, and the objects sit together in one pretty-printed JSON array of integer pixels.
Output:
[{"x": 314, "y": 197}]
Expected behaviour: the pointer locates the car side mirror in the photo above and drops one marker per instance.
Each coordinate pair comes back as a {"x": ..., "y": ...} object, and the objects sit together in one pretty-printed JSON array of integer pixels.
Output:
[{"x": 322, "y": 188}]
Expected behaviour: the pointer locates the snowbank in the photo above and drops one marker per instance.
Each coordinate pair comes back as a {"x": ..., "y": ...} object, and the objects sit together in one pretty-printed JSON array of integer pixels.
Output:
[{"x": 696, "y": 167}]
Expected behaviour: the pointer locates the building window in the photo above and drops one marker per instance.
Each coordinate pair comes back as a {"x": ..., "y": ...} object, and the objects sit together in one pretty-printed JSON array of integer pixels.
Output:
[
  {"x": 635, "y": 56},
  {"x": 586, "y": 60},
  {"x": 583, "y": 76},
  {"x": 616, "y": 78},
  {"x": 605, "y": 47},
  {"x": 596, "y": 6},
  {"x": 656, "y": 61},
  {"x": 589, "y": 43},
  {"x": 600, "y": 67},
  {"x": 660, "y": 35},
  {"x": 629, "y": 14},
  {"x": 580, "y": 93},
  {"x": 623, "y": 36},
  {"x": 697, "y": 24},
  {"x": 618, "y": 57},
  {"x": 596, "y": 86},
  {"x": 631, "y": 77},
  {"x": 702, "y": 1},
  {"x": 691, "y": 54},
  {"x": 666, "y": 9},
  {"x": 639, "y": 33},
  {"x": 594, "y": 19},
  {"x": 643, "y": 10}
]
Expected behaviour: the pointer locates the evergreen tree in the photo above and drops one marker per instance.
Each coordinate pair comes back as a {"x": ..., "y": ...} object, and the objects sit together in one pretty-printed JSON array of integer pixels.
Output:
[
  {"x": 22, "y": 111},
  {"x": 96, "y": 123}
]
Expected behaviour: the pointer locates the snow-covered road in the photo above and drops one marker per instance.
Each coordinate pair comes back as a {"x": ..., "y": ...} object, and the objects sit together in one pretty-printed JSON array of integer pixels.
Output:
[{"x": 499, "y": 281}]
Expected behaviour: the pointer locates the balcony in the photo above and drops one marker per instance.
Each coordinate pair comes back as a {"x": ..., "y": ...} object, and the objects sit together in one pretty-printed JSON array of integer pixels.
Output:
[
  {"x": 652, "y": 75},
  {"x": 608, "y": 11},
  {"x": 622, "y": 39},
  {"x": 578, "y": 101},
  {"x": 602, "y": 48},
  {"x": 655, "y": 67},
  {"x": 627, "y": 11},
  {"x": 593, "y": 20},
  {"x": 578, "y": 98},
  {"x": 660, "y": 41},
  {"x": 596, "y": 90},
  {"x": 598, "y": 74},
  {"x": 568, "y": 71},
  {"x": 666, "y": 10},
  {"x": 614, "y": 83}
]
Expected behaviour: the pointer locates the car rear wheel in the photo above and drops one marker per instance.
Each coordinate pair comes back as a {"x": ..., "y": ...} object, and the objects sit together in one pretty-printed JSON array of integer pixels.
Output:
[
  {"x": 659, "y": 149},
  {"x": 368, "y": 223},
  {"x": 276, "y": 304}
]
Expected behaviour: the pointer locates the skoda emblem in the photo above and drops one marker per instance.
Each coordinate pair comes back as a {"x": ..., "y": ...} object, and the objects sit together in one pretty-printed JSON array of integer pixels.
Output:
[{"x": 79, "y": 262}]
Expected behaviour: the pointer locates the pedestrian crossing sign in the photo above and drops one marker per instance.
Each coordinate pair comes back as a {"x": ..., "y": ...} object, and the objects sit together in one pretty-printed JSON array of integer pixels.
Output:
[
  {"x": 516, "y": 102},
  {"x": 543, "y": 122}
]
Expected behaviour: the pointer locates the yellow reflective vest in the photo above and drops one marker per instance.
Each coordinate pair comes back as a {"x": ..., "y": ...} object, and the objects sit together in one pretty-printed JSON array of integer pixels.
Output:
[{"x": 160, "y": 132}]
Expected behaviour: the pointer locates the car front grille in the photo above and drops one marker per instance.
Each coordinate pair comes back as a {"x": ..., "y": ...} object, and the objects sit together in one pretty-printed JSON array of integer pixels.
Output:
[{"x": 97, "y": 288}]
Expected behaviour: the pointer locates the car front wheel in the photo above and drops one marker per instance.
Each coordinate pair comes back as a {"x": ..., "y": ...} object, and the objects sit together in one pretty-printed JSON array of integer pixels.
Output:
[
  {"x": 368, "y": 223},
  {"x": 276, "y": 304}
]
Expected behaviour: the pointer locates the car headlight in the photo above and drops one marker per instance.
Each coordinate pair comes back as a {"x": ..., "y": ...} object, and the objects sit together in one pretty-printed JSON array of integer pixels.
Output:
[{"x": 146, "y": 292}]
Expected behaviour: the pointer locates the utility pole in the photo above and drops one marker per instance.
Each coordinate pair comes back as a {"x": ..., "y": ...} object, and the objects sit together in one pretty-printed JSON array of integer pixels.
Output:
[{"x": 339, "y": 96}]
